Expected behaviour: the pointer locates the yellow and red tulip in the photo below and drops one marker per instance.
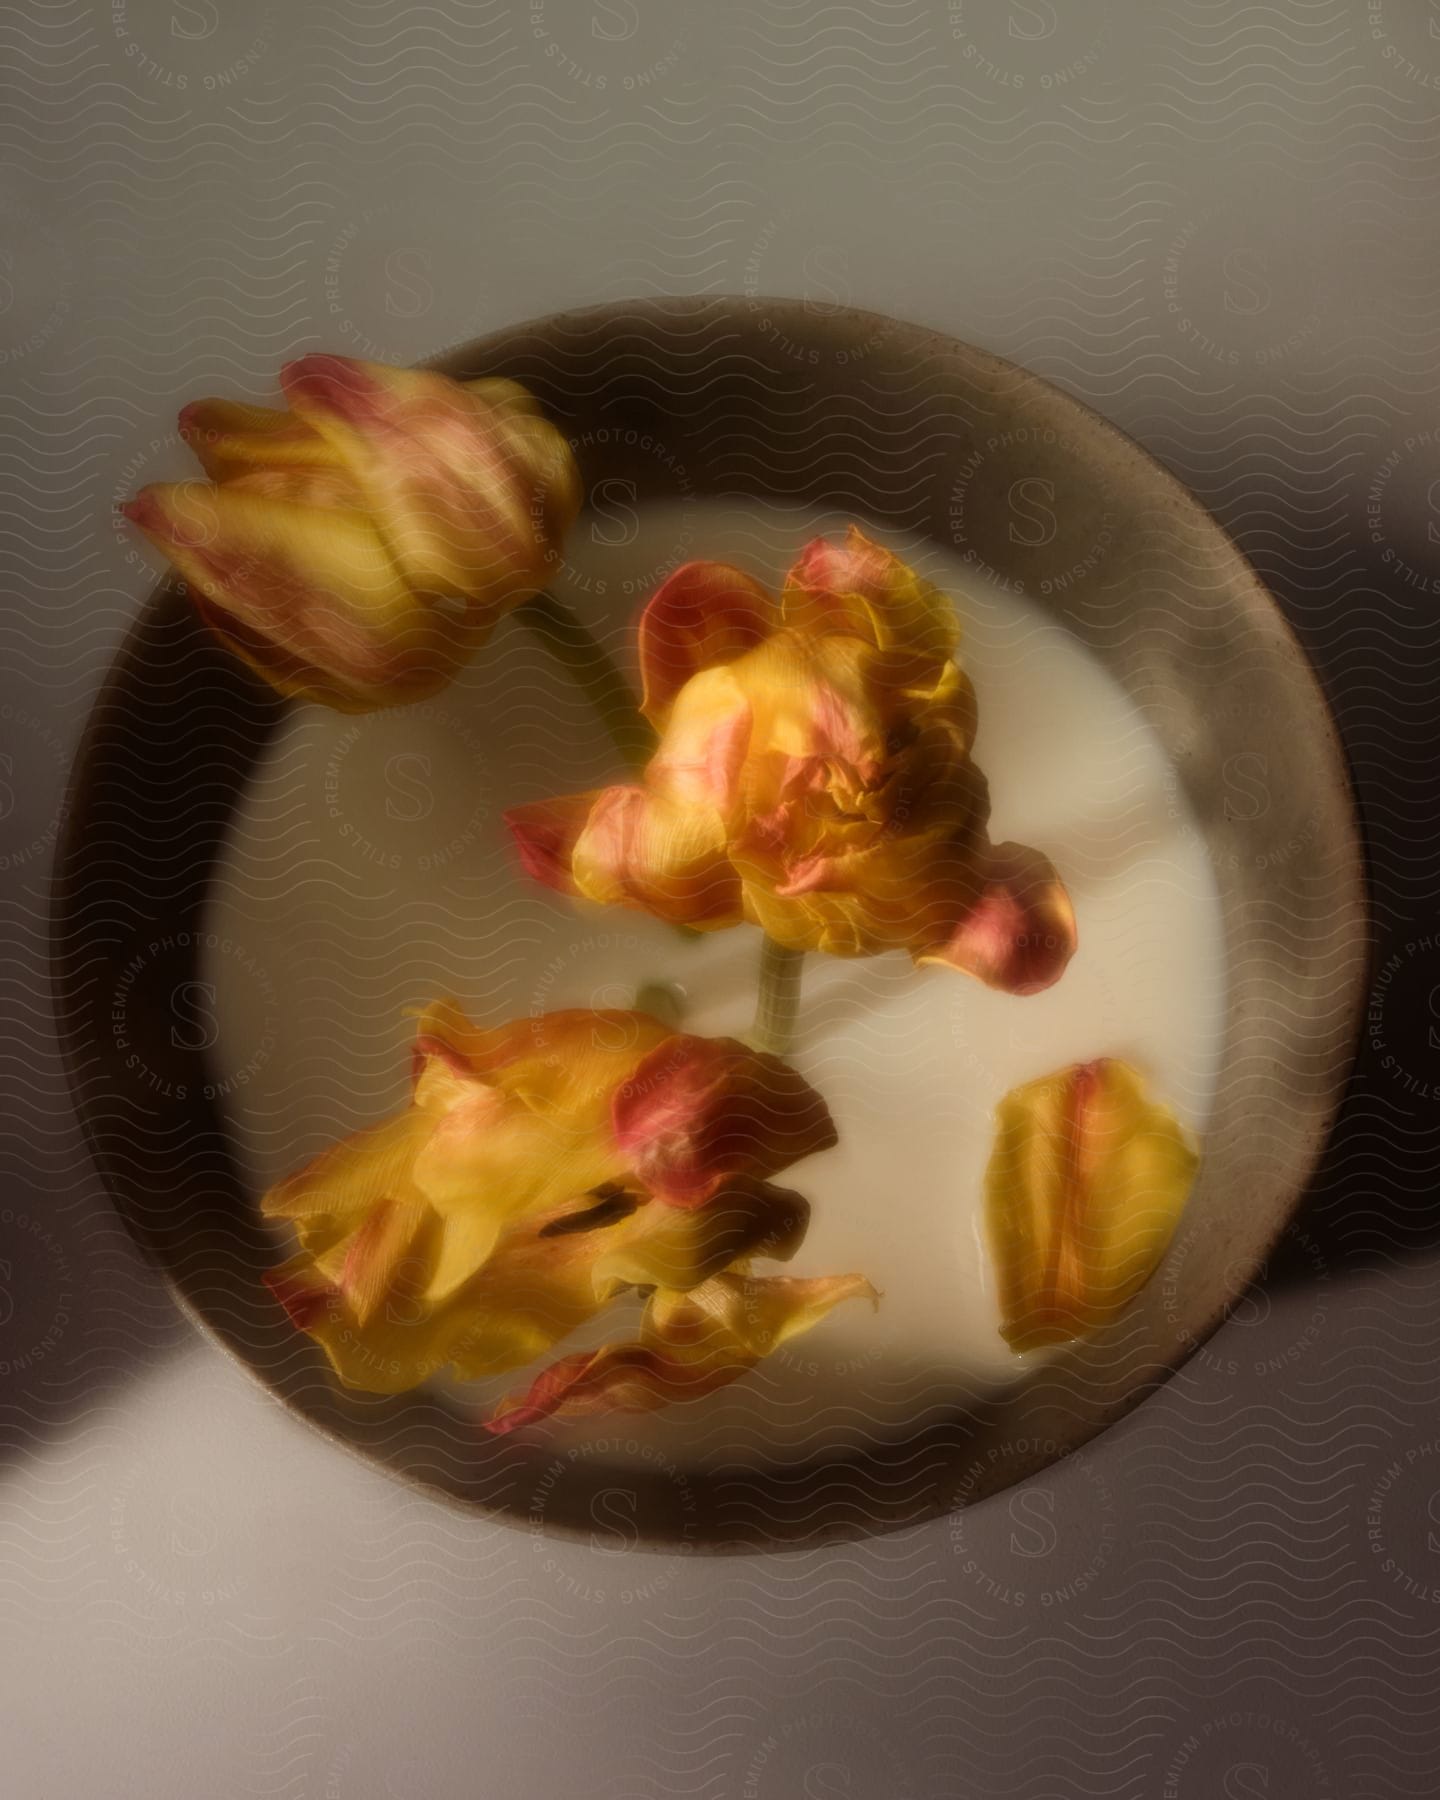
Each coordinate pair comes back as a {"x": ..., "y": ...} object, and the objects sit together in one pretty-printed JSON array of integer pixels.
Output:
[
  {"x": 690, "y": 1343},
  {"x": 540, "y": 1168},
  {"x": 358, "y": 548},
  {"x": 1086, "y": 1182},
  {"x": 813, "y": 776}
]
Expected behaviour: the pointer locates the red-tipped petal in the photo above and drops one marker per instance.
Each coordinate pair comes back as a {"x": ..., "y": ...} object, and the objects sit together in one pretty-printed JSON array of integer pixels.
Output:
[
  {"x": 428, "y": 1047},
  {"x": 304, "y": 1298},
  {"x": 664, "y": 856},
  {"x": 545, "y": 833},
  {"x": 144, "y": 511},
  {"x": 698, "y": 1111},
  {"x": 690, "y": 1345},
  {"x": 468, "y": 485},
  {"x": 862, "y": 589},
  {"x": 705, "y": 613},
  {"x": 375, "y": 1252},
  {"x": 568, "y": 1382},
  {"x": 341, "y": 385},
  {"x": 621, "y": 1378},
  {"x": 1019, "y": 933},
  {"x": 231, "y": 438},
  {"x": 1087, "y": 1179}
]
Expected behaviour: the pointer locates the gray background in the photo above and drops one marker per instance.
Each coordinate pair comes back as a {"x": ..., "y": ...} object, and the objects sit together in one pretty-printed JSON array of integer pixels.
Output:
[{"x": 1216, "y": 225}]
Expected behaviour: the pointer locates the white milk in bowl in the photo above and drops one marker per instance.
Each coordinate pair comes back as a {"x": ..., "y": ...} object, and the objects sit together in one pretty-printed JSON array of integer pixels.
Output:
[{"x": 369, "y": 869}]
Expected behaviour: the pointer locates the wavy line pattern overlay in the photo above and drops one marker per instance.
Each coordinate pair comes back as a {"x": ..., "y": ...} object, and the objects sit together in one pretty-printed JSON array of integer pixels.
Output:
[{"x": 1214, "y": 224}]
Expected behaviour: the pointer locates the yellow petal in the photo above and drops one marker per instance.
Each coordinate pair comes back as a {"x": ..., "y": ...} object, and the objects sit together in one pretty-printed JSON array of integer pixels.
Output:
[
  {"x": 468, "y": 1239},
  {"x": 509, "y": 1202},
  {"x": 407, "y": 1339},
  {"x": 532, "y": 1132},
  {"x": 670, "y": 1247},
  {"x": 483, "y": 1165},
  {"x": 689, "y": 1345},
  {"x": 352, "y": 1176},
  {"x": 627, "y": 846},
  {"x": 853, "y": 788},
  {"x": 578, "y": 1060},
  {"x": 746, "y": 1317},
  {"x": 314, "y": 584},
  {"x": 1086, "y": 1182},
  {"x": 658, "y": 856},
  {"x": 545, "y": 833},
  {"x": 704, "y": 614},
  {"x": 364, "y": 1266},
  {"x": 565, "y": 1065},
  {"x": 810, "y": 701},
  {"x": 700, "y": 1112},
  {"x": 707, "y": 738},
  {"x": 230, "y": 438},
  {"x": 443, "y": 1030},
  {"x": 469, "y": 490},
  {"x": 862, "y": 589},
  {"x": 535, "y": 1287}
]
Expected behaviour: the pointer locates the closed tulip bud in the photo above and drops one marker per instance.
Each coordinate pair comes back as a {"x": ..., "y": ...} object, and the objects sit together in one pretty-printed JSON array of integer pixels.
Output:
[{"x": 360, "y": 547}]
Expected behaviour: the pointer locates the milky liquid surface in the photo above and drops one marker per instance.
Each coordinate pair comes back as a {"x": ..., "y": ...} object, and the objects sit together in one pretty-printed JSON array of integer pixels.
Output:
[{"x": 368, "y": 869}]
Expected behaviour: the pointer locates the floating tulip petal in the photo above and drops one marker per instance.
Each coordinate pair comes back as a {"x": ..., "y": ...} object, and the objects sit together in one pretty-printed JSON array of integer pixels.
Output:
[{"x": 1086, "y": 1182}]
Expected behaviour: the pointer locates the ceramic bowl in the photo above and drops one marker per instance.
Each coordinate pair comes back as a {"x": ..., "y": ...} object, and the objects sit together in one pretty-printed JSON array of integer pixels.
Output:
[{"x": 908, "y": 429}]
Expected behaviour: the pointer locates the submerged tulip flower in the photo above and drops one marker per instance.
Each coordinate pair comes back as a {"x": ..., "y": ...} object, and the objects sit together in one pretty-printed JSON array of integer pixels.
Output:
[
  {"x": 689, "y": 1345},
  {"x": 359, "y": 547},
  {"x": 541, "y": 1168},
  {"x": 813, "y": 776},
  {"x": 1085, "y": 1184}
]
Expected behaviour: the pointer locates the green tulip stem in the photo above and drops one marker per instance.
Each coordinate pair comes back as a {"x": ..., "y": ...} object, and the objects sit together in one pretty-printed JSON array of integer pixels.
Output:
[
  {"x": 595, "y": 673},
  {"x": 778, "y": 1001}
]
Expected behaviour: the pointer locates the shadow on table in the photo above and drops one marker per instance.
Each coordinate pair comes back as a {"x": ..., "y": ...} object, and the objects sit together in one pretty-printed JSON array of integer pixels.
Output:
[{"x": 1366, "y": 606}]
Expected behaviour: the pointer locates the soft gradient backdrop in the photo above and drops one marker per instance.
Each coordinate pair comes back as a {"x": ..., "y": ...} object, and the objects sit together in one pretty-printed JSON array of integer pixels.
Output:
[{"x": 1213, "y": 223}]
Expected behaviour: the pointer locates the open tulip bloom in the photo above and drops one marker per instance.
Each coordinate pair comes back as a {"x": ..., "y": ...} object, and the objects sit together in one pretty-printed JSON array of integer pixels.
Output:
[
  {"x": 813, "y": 776},
  {"x": 360, "y": 547},
  {"x": 543, "y": 1168}
]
